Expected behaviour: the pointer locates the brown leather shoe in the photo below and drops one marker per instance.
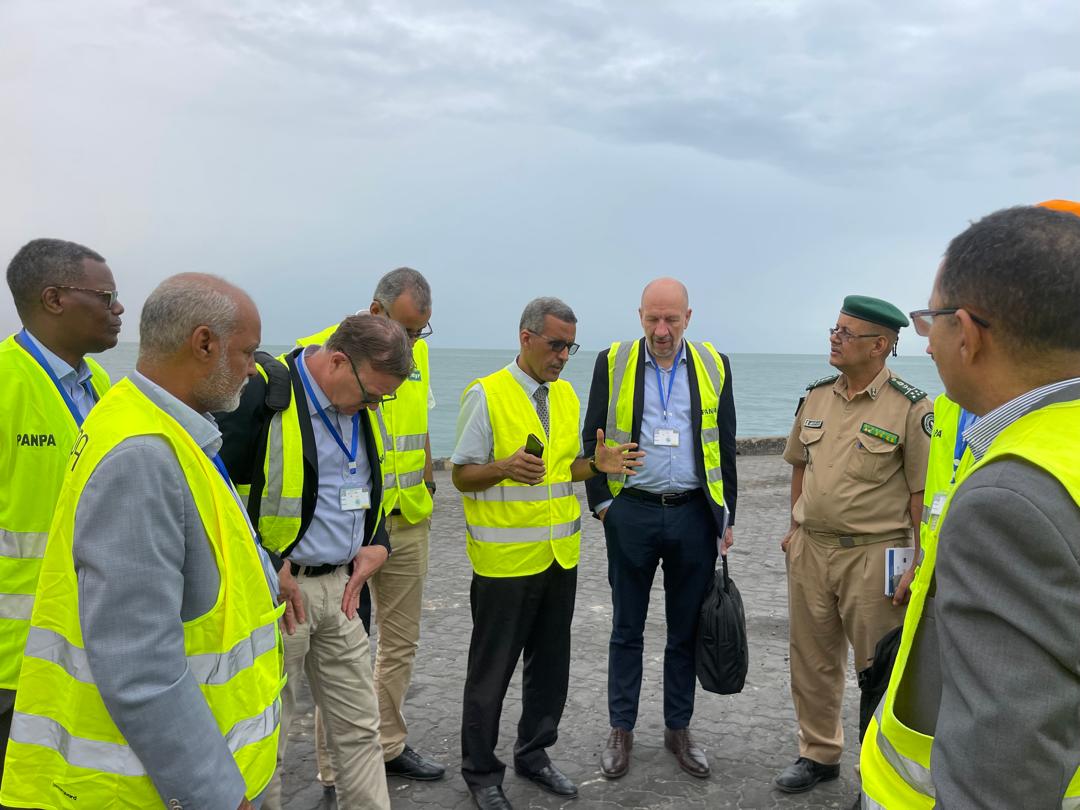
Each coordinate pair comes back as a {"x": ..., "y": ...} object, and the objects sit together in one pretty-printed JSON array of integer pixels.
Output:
[
  {"x": 691, "y": 758},
  {"x": 615, "y": 761}
]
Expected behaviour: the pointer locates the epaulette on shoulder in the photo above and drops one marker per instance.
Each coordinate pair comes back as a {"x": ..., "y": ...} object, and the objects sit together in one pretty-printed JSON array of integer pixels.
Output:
[
  {"x": 822, "y": 381},
  {"x": 907, "y": 389}
]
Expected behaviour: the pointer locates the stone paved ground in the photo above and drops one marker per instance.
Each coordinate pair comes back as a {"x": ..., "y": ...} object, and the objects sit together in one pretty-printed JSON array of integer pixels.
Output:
[{"x": 748, "y": 737}]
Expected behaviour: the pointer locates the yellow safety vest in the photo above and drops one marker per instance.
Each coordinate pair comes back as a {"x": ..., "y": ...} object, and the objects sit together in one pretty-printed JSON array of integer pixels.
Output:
[
  {"x": 65, "y": 751},
  {"x": 405, "y": 429},
  {"x": 895, "y": 759},
  {"x": 38, "y": 431},
  {"x": 622, "y": 380},
  {"x": 513, "y": 529},
  {"x": 281, "y": 500},
  {"x": 939, "y": 465}
]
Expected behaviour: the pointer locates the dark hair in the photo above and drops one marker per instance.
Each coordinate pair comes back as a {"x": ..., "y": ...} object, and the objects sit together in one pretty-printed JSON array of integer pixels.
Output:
[
  {"x": 1019, "y": 268},
  {"x": 380, "y": 341},
  {"x": 45, "y": 263},
  {"x": 403, "y": 280}
]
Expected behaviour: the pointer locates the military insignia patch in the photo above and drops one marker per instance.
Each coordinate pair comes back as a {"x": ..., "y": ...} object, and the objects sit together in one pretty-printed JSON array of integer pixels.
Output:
[
  {"x": 928, "y": 424},
  {"x": 907, "y": 389},
  {"x": 813, "y": 423},
  {"x": 414, "y": 375},
  {"x": 822, "y": 381},
  {"x": 879, "y": 433}
]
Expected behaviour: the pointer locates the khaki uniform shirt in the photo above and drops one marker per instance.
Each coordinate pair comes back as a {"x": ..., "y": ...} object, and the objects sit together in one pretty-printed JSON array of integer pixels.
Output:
[{"x": 864, "y": 457}]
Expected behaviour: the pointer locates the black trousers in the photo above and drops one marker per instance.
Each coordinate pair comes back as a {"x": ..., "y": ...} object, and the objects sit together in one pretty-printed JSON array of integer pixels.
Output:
[
  {"x": 641, "y": 535},
  {"x": 512, "y": 615}
]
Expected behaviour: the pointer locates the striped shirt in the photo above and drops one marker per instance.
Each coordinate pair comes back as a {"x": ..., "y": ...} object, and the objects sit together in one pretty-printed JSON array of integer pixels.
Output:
[{"x": 981, "y": 435}]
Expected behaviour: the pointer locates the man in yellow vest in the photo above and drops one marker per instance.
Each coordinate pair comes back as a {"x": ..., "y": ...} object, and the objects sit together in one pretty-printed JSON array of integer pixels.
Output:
[
  {"x": 404, "y": 296},
  {"x": 310, "y": 463},
  {"x": 517, "y": 455},
  {"x": 152, "y": 670},
  {"x": 66, "y": 299},
  {"x": 984, "y": 697},
  {"x": 673, "y": 397}
]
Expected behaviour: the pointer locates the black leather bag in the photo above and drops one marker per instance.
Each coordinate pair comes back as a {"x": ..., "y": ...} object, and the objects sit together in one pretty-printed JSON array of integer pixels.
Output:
[{"x": 722, "y": 652}]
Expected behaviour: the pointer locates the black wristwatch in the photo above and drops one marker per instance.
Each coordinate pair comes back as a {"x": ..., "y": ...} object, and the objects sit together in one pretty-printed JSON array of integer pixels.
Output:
[
  {"x": 431, "y": 486},
  {"x": 592, "y": 465}
]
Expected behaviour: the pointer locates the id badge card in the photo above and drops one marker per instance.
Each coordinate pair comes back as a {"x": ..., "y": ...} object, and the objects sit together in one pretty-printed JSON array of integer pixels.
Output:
[
  {"x": 353, "y": 498},
  {"x": 937, "y": 506},
  {"x": 666, "y": 437}
]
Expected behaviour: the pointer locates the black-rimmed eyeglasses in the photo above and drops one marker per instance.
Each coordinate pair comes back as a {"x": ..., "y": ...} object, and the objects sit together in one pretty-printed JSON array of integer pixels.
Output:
[
  {"x": 923, "y": 319},
  {"x": 557, "y": 346},
  {"x": 423, "y": 332},
  {"x": 108, "y": 296},
  {"x": 367, "y": 398}
]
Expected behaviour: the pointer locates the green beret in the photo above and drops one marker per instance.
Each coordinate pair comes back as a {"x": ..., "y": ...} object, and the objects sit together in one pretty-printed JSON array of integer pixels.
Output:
[{"x": 874, "y": 310}]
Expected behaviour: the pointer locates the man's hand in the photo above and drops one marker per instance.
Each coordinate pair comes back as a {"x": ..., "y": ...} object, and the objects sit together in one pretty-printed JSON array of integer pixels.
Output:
[
  {"x": 786, "y": 541},
  {"x": 619, "y": 459},
  {"x": 523, "y": 467},
  {"x": 293, "y": 599},
  {"x": 602, "y": 512},
  {"x": 365, "y": 563},
  {"x": 245, "y": 805},
  {"x": 903, "y": 588},
  {"x": 729, "y": 541}
]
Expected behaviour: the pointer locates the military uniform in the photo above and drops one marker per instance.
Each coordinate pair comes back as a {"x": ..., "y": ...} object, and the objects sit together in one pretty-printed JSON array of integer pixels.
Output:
[{"x": 864, "y": 455}]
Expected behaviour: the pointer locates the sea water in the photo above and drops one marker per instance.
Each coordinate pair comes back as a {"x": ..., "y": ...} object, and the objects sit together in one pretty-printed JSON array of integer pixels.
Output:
[{"x": 767, "y": 386}]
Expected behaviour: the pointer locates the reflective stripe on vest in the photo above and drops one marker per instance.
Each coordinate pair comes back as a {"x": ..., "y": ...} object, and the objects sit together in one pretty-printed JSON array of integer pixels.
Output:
[
  {"x": 42, "y": 432},
  {"x": 514, "y": 529},
  {"x": 63, "y": 737},
  {"x": 895, "y": 759},
  {"x": 622, "y": 381}
]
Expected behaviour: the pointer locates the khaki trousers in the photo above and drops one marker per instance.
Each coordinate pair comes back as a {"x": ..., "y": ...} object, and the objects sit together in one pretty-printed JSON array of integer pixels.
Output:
[
  {"x": 836, "y": 596},
  {"x": 334, "y": 653},
  {"x": 397, "y": 590}
]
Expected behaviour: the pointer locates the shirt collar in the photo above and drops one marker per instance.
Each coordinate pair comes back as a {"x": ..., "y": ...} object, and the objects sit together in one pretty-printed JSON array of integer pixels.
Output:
[
  {"x": 59, "y": 367},
  {"x": 200, "y": 426},
  {"x": 981, "y": 435},
  {"x": 320, "y": 395},
  {"x": 872, "y": 390},
  {"x": 524, "y": 380},
  {"x": 651, "y": 361}
]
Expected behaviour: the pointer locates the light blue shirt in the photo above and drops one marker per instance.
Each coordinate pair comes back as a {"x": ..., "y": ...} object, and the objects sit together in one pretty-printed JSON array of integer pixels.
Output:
[
  {"x": 335, "y": 535},
  {"x": 76, "y": 381},
  {"x": 475, "y": 439},
  {"x": 665, "y": 469}
]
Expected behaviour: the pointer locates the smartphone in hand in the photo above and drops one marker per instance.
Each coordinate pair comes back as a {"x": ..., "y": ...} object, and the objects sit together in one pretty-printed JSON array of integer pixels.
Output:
[{"x": 534, "y": 447}]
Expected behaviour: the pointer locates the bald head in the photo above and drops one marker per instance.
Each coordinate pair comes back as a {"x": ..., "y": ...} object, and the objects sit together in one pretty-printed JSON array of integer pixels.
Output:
[
  {"x": 665, "y": 314},
  {"x": 665, "y": 291}
]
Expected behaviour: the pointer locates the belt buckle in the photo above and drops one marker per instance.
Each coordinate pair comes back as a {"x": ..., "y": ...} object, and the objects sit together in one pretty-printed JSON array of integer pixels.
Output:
[{"x": 669, "y": 498}]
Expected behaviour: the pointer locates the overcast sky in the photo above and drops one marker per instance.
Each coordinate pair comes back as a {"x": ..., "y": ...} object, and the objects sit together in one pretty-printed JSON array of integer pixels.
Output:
[{"x": 776, "y": 156}]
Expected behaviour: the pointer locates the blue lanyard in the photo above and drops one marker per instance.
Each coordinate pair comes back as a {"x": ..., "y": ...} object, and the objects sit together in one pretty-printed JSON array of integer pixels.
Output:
[
  {"x": 222, "y": 469},
  {"x": 27, "y": 343},
  {"x": 664, "y": 399},
  {"x": 966, "y": 420},
  {"x": 349, "y": 454}
]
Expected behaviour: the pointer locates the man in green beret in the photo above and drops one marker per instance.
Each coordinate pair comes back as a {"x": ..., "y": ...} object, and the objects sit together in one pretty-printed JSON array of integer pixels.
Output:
[{"x": 858, "y": 452}]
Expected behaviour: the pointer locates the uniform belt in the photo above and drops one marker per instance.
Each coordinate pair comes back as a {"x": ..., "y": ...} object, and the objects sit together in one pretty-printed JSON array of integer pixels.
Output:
[
  {"x": 312, "y": 570},
  {"x": 853, "y": 540},
  {"x": 662, "y": 498}
]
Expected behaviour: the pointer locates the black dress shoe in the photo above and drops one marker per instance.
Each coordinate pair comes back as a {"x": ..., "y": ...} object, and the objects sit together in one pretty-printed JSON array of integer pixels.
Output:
[
  {"x": 803, "y": 774},
  {"x": 490, "y": 798},
  {"x": 550, "y": 779},
  {"x": 411, "y": 764}
]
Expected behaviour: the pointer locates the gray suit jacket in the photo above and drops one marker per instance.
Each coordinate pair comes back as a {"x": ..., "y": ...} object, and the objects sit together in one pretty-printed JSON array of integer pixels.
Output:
[
  {"x": 144, "y": 567},
  {"x": 1008, "y": 617}
]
